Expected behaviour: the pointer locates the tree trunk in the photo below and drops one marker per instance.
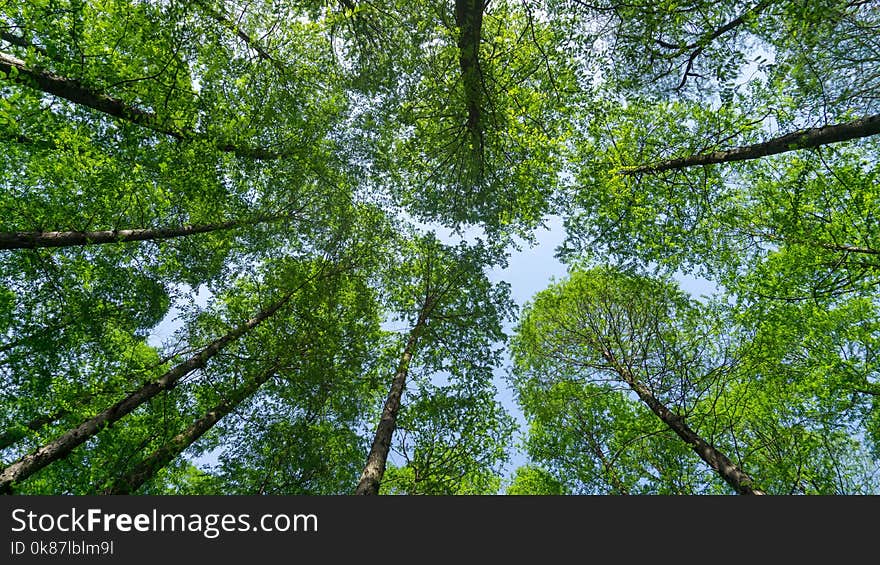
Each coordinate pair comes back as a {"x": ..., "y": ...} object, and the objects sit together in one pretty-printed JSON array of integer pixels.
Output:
[
  {"x": 801, "y": 139},
  {"x": 69, "y": 89},
  {"x": 62, "y": 446},
  {"x": 34, "y": 239},
  {"x": 728, "y": 471},
  {"x": 145, "y": 470},
  {"x": 378, "y": 457},
  {"x": 469, "y": 18}
]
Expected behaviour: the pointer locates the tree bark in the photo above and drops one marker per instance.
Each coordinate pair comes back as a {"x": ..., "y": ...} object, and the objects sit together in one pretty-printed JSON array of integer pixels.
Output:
[
  {"x": 69, "y": 89},
  {"x": 729, "y": 471},
  {"x": 13, "y": 436},
  {"x": 144, "y": 471},
  {"x": 34, "y": 239},
  {"x": 469, "y": 18},
  {"x": 801, "y": 139},
  {"x": 63, "y": 445},
  {"x": 374, "y": 469}
]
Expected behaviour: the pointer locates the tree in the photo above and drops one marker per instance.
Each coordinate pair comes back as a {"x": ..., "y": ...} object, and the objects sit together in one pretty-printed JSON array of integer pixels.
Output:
[
  {"x": 61, "y": 446},
  {"x": 534, "y": 481},
  {"x": 638, "y": 332},
  {"x": 443, "y": 291},
  {"x": 308, "y": 365},
  {"x": 159, "y": 458},
  {"x": 477, "y": 109},
  {"x": 591, "y": 349}
]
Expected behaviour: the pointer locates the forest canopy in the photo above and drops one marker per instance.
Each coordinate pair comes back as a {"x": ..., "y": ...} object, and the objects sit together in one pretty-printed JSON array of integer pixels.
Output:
[{"x": 225, "y": 265}]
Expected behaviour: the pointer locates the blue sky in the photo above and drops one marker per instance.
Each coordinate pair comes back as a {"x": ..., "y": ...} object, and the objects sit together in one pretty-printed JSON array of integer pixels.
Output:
[{"x": 529, "y": 271}]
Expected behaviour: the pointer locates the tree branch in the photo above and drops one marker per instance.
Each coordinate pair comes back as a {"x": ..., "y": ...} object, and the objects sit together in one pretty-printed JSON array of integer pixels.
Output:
[
  {"x": 33, "y": 239},
  {"x": 17, "y": 70},
  {"x": 802, "y": 139}
]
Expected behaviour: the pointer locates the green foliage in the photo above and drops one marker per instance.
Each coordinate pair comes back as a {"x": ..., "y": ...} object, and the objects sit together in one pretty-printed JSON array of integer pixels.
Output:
[
  {"x": 323, "y": 130},
  {"x": 531, "y": 480},
  {"x": 777, "y": 395},
  {"x": 453, "y": 441}
]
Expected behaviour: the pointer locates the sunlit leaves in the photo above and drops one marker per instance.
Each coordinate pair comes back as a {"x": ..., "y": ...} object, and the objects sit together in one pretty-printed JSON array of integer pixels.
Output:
[
  {"x": 452, "y": 440},
  {"x": 779, "y": 393}
]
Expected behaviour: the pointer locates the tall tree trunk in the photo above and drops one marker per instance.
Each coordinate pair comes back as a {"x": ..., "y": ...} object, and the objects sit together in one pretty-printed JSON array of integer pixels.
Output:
[
  {"x": 69, "y": 89},
  {"x": 34, "y": 239},
  {"x": 729, "y": 471},
  {"x": 801, "y": 139},
  {"x": 145, "y": 470},
  {"x": 374, "y": 469},
  {"x": 62, "y": 446},
  {"x": 469, "y": 18}
]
